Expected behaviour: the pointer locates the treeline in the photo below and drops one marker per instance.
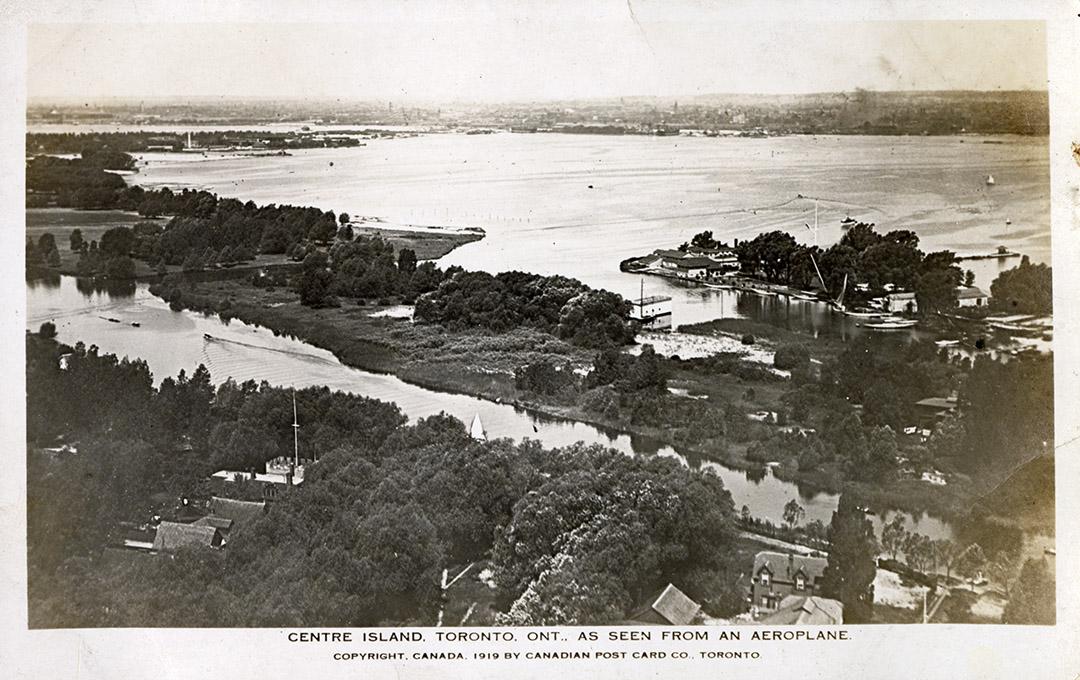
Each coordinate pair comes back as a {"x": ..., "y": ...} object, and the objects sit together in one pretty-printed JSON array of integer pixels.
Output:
[
  {"x": 554, "y": 304},
  {"x": 137, "y": 142},
  {"x": 364, "y": 541},
  {"x": 862, "y": 256}
]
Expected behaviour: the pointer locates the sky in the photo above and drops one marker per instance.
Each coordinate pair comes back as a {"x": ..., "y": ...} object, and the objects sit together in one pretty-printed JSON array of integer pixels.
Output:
[{"x": 504, "y": 57}]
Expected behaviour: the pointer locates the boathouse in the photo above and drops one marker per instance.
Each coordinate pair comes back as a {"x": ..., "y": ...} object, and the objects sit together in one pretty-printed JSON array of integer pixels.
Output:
[{"x": 653, "y": 312}]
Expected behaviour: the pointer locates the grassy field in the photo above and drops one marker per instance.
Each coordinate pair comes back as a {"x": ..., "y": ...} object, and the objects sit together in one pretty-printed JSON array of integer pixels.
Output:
[{"x": 427, "y": 245}]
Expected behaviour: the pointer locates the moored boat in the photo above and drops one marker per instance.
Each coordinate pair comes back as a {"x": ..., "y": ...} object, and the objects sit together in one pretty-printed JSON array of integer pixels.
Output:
[{"x": 890, "y": 324}]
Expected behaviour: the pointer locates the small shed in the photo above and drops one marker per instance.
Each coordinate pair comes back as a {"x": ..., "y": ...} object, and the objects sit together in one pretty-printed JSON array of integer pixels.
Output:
[{"x": 671, "y": 607}]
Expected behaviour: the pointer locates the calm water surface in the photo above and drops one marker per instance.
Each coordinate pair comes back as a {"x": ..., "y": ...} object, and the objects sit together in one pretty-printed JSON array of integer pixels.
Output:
[{"x": 579, "y": 204}]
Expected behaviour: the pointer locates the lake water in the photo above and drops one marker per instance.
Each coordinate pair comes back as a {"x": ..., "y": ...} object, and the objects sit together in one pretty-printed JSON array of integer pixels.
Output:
[
  {"x": 579, "y": 204},
  {"x": 170, "y": 341},
  {"x": 576, "y": 205}
]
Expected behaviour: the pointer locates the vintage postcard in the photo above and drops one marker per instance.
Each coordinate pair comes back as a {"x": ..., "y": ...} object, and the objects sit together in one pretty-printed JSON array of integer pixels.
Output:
[{"x": 481, "y": 340}]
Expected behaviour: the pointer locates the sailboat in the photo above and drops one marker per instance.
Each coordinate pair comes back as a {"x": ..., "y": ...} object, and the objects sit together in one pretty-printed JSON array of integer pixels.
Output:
[
  {"x": 476, "y": 430},
  {"x": 990, "y": 180}
]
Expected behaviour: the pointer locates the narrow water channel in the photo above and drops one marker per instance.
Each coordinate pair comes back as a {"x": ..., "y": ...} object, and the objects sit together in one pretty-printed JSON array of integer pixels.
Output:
[{"x": 170, "y": 341}]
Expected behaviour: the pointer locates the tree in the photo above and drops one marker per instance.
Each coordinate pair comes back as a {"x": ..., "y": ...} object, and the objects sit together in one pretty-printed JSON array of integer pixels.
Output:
[
  {"x": 849, "y": 574},
  {"x": 793, "y": 513},
  {"x": 1025, "y": 289},
  {"x": 315, "y": 280},
  {"x": 596, "y": 318},
  {"x": 343, "y": 218},
  {"x": 791, "y": 355},
  {"x": 118, "y": 241},
  {"x": 47, "y": 330},
  {"x": 969, "y": 278},
  {"x": 406, "y": 261},
  {"x": 345, "y": 233},
  {"x": 894, "y": 535},
  {"x": 76, "y": 240},
  {"x": 120, "y": 268},
  {"x": 937, "y": 281},
  {"x": 46, "y": 243},
  {"x": 53, "y": 258},
  {"x": 1003, "y": 569},
  {"x": 1033, "y": 598}
]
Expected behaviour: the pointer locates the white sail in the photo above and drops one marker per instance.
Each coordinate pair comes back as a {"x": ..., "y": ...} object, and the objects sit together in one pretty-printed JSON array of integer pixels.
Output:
[
  {"x": 990, "y": 180},
  {"x": 476, "y": 430}
]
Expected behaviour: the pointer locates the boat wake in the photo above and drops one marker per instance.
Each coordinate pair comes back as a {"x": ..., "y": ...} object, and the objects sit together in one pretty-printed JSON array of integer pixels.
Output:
[{"x": 207, "y": 339}]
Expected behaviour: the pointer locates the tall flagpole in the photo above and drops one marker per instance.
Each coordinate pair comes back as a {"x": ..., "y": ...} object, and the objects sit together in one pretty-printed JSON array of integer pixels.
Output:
[{"x": 295, "y": 432}]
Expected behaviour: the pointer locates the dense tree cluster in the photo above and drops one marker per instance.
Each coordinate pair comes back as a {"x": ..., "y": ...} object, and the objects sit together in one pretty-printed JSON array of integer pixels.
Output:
[
  {"x": 364, "y": 540},
  {"x": 71, "y": 182},
  {"x": 887, "y": 378},
  {"x": 862, "y": 256},
  {"x": 554, "y": 304},
  {"x": 603, "y": 531}
]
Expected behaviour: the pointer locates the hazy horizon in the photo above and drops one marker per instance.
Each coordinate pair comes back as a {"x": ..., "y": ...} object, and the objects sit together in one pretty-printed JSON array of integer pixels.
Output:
[{"x": 500, "y": 60}]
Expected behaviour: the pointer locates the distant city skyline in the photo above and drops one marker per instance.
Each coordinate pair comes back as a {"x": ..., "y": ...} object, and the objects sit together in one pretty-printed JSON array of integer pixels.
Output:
[{"x": 502, "y": 59}]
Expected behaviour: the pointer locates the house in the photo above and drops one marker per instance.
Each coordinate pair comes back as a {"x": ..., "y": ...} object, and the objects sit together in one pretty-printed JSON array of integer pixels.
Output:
[
  {"x": 971, "y": 296},
  {"x": 933, "y": 409},
  {"x": 671, "y": 607},
  {"x": 172, "y": 536},
  {"x": 900, "y": 302},
  {"x": 281, "y": 474},
  {"x": 777, "y": 575},
  {"x": 805, "y": 610},
  {"x": 653, "y": 312}
]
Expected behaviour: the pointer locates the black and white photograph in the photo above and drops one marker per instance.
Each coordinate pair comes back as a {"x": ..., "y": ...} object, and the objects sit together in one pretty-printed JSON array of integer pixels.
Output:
[{"x": 488, "y": 319}]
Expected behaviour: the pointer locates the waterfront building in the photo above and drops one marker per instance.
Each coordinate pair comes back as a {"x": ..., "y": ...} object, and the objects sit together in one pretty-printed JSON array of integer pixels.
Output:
[
  {"x": 903, "y": 301},
  {"x": 653, "y": 312},
  {"x": 971, "y": 296},
  {"x": 777, "y": 576}
]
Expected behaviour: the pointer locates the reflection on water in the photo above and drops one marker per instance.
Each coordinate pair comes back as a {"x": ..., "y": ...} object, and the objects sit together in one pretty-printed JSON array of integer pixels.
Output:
[{"x": 170, "y": 341}]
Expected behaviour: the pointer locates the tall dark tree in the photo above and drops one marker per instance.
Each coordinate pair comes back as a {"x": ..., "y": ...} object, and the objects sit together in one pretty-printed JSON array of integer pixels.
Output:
[
  {"x": 406, "y": 261},
  {"x": 76, "y": 240},
  {"x": 46, "y": 243},
  {"x": 1033, "y": 598},
  {"x": 849, "y": 574},
  {"x": 314, "y": 281}
]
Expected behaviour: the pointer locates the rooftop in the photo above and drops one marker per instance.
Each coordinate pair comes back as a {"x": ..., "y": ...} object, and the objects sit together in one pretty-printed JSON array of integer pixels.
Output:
[
  {"x": 173, "y": 535},
  {"x": 650, "y": 300},
  {"x": 784, "y": 566},
  {"x": 970, "y": 292},
  {"x": 672, "y": 605},
  {"x": 806, "y": 611},
  {"x": 938, "y": 402},
  {"x": 238, "y": 511}
]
